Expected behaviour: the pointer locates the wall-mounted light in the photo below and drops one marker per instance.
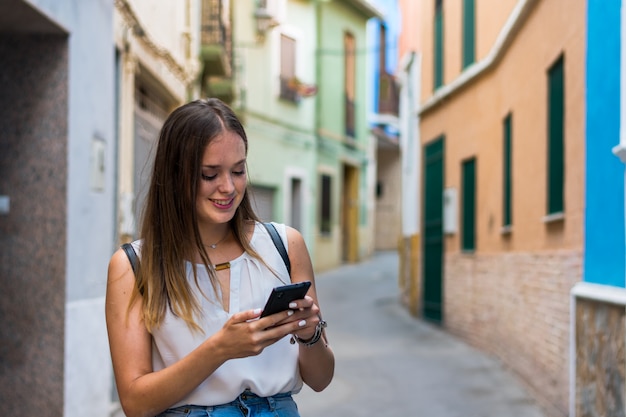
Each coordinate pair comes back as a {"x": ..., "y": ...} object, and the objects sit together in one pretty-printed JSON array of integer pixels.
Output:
[{"x": 264, "y": 22}]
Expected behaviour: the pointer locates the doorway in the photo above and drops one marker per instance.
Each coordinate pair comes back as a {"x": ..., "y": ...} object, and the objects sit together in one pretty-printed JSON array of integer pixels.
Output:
[
  {"x": 432, "y": 304},
  {"x": 350, "y": 214}
]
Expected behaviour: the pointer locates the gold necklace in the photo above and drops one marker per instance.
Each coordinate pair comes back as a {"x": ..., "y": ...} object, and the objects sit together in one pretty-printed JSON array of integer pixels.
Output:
[{"x": 222, "y": 266}]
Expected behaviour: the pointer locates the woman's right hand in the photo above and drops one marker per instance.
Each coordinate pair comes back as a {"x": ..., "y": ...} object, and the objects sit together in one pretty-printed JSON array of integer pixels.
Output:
[{"x": 245, "y": 334}]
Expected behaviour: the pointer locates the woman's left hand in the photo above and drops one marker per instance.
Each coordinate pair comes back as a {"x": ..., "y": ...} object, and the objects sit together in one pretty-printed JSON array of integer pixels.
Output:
[{"x": 307, "y": 314}]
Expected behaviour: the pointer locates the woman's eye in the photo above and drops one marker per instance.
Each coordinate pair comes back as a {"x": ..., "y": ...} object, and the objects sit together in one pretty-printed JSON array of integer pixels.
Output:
[
  {"x": 209, "y": 177},
  {"x": 238, "y": 173}
]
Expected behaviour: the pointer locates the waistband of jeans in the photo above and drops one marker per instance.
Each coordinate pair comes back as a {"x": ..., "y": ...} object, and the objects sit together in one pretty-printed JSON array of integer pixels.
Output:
[{"x": 247, "y": 397}]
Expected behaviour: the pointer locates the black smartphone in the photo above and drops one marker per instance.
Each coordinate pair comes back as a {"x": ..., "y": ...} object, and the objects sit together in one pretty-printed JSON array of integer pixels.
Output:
[{"x": 280, "y": 297}]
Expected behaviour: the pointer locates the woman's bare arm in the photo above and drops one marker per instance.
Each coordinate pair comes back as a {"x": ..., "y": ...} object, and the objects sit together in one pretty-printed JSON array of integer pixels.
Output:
[{"x": 317, "y": 362}]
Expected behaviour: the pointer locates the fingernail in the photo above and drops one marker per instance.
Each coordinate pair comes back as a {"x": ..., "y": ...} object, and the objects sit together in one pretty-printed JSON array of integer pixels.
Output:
[
  {"x": 293, "y": 305},
  {"x": 302, "y": 323},
  {"x": 289, "y": 312},
  {"x": 257, "y": 311}
]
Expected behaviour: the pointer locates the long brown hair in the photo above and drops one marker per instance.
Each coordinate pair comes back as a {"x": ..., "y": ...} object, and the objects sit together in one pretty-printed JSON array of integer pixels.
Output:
[{"x": 169, "y": 231}]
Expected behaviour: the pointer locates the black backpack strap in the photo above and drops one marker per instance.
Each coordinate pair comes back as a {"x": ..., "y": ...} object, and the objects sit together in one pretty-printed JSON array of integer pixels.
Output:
[
  {"x": 278, "y": 242},
  {"x": 132, "y": 256}
]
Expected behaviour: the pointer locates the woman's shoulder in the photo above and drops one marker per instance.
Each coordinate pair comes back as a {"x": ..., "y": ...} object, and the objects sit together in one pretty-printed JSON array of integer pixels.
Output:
[
  {"x": 120, "y": 271},
  {"x": 126, "y": 255}
]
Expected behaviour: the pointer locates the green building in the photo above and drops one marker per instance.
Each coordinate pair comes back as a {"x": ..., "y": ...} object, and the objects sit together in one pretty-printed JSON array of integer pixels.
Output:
[{"x": 298, "y": 73}]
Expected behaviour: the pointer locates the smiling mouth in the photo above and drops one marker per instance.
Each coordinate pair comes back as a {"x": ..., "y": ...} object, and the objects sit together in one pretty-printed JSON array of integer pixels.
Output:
[{"x": 223, "y": 203}]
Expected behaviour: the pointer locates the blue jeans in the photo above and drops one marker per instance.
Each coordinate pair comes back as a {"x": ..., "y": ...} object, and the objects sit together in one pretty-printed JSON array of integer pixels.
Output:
[{"x": 246, "y": 405}]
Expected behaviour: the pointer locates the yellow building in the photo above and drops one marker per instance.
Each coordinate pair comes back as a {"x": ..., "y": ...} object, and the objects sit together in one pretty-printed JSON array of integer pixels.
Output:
[{"x": 501, "y": 122}]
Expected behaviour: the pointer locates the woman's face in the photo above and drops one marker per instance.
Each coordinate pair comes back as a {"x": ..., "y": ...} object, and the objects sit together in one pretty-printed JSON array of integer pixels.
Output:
[{"x": 223, "y": 179}]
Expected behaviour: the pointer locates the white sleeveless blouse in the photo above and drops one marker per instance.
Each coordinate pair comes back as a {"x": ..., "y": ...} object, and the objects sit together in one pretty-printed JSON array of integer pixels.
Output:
[{"x": 273, "y": 371}]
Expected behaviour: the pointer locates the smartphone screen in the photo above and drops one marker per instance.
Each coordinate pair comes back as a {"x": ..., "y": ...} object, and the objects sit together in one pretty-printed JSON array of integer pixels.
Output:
[{"x": 280, "y": 297}]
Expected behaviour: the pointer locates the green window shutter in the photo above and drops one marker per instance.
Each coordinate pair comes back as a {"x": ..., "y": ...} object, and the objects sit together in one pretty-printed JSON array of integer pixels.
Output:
[
  {"x": 556, "y": 120},
  {"x": 468, "y": 238},
  {"x": 507, "y": 219},
  {"x": 469, "y": 32},
  {"x": 438, "y": 47}
]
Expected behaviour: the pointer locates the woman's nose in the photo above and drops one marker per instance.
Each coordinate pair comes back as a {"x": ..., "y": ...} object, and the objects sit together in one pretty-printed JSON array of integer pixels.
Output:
[{"x": 226, "y": 184}]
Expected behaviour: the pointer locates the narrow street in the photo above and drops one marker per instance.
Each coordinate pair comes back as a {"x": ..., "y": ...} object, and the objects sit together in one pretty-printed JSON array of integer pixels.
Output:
[{"x": 391, "y": 364}]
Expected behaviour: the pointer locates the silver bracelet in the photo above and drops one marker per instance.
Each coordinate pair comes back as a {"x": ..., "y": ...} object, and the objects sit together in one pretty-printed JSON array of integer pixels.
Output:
[{"x": 316, "y": 336}]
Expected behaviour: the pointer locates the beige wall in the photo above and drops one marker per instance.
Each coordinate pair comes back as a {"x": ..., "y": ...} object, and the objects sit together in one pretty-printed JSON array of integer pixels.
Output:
[
  {"x": 511, "y": 296},
  {"x": 490, "y": 19},
  {"x": 410, "y": 38},
  {"x": 471, "y": 121},
  {"x": 388, "y": 203}
]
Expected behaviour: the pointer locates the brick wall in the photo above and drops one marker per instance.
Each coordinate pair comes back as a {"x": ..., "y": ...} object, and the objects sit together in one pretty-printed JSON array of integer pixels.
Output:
[{"x": 517, "y": 307}]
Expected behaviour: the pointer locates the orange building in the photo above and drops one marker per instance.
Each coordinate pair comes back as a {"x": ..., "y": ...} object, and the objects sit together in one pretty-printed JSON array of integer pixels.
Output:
[{"x": 501, "y": 127}]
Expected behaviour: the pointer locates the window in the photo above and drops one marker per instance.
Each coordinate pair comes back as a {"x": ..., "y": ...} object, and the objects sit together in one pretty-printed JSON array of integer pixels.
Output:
[
  {"x": 350, "y": 83},
  {"x": 262, "y": 200},
  {"x": 469, "y": 32},
  {"x": 325, "y": 204},
  {"x": 468, "y": 232},
  {"x": 507, "y": 219},
  {"x": 556, "y": 119},
  {"x": 382, "y": 53},
  {"x": 438, "y": 46},
  {"x": 288, "y": 69}
]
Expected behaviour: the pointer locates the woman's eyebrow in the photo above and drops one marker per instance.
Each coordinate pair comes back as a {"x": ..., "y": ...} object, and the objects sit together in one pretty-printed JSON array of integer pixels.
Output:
[{"x": 243, "y": 161}]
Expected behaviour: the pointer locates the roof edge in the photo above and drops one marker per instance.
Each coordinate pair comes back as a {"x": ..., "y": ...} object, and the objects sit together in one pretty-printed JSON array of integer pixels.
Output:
[
  {"x": 510, "y": 29},
  {"x": 366, "y": 8}
]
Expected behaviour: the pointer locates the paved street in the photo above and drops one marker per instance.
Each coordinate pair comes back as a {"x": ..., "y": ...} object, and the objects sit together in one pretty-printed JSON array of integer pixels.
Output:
[{"x": 390, "y": 364}]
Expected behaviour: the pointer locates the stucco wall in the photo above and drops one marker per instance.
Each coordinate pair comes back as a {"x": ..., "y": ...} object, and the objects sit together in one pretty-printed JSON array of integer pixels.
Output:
[
  {"x": 604, "y": 220},
  {"x": 471, "y": 121},
  {"x": 490, "y": 18}
]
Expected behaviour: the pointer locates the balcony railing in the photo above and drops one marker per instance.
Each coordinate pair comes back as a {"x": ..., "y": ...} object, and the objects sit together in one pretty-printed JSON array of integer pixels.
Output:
[{"x": 215, "y": 38}]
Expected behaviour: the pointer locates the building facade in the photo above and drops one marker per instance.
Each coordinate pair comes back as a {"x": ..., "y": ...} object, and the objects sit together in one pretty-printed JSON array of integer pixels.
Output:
[
  {"x": 346, "y": 154},
  {"x": 158, "y": 51},
  {"x": 300, "y": 86},
  {"x": 502, "y": 127}
]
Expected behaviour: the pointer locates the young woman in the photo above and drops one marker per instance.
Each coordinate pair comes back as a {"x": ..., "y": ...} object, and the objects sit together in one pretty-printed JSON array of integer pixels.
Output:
[{"x": 185, "y": 331}]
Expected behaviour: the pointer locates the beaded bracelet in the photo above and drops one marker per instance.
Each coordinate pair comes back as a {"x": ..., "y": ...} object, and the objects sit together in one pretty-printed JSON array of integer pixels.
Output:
[{"x": 319, "y": 328}]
